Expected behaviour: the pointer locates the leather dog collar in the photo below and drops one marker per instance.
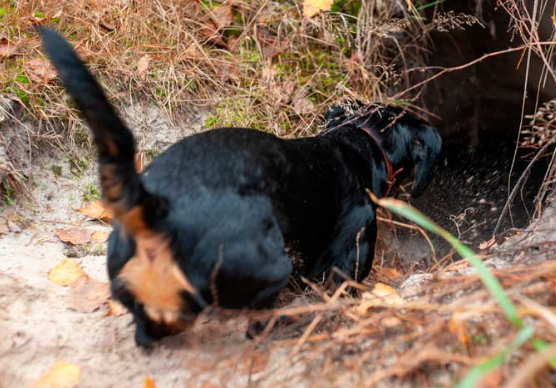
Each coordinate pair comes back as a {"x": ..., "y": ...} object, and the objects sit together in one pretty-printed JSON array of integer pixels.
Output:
[{"x": 389, "y": 168}]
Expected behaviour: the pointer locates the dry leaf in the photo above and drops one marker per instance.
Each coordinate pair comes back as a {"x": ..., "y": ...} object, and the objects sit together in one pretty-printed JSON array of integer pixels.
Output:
[
  {"x": 149, "y": 383},
  {"x": 115, "y": 308},
  {"x": 390, "y": 273},
  {"x": 222, "y": 15},
  {"x": 210, "y": 32},
  {"x": 301, "y": 104},
  {"x": 8, "y": 49},
  {"x": 312, "y": 7},
  {"x": 61, "y": 374},
  {"x": 108, "y": 21},
  {"x": 40, "y": 70},
  {"x": 99, "y": 236},
  {"x": 143, "y": 64},
  {"x": 88, "y": 295},
  {"x": 107, "y": 24},
  {"x": 458, "y": 327},
  {"x": 35, "y": 20},
  {"x": 381, "y": 295},
  {"x": 74, "y": 236},
  {"x": 270, "y": 45},
  {"x": 66, "y": 272},
  {"x": 193, "y": 52},
  {"x": 97, "y": 211},
  {"x": 230, "y": 72},
  {"x": 386, "y": 294},
  {"x": 285, "y": 90}
]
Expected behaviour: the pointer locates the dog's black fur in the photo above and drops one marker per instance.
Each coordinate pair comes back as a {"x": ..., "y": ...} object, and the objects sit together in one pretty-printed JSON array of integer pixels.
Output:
[{"x": 228, "y": 200}]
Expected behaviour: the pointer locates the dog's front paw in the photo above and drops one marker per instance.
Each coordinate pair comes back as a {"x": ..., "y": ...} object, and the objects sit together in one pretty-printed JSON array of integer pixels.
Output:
[{"x": 143, "y": 339}]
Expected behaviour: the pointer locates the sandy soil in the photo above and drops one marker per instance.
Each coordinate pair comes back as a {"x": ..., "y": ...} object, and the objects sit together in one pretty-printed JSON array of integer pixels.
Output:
[{"x": 38, "y": 326}]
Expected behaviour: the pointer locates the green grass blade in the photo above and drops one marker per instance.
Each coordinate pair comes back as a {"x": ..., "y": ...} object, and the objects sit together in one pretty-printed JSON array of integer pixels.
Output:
[
  {"x": 541, "y": 345},
  {"x": 428, "y": 5},
  {"x": 477, "y": 372}
]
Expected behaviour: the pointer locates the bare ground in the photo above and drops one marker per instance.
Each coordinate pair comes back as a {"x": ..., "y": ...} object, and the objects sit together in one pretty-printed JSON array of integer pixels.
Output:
[{"x": 39, "y": 327}]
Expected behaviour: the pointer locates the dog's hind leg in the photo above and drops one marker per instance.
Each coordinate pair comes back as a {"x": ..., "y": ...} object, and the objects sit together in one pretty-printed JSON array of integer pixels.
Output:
[{"x": 266, "y": 300}]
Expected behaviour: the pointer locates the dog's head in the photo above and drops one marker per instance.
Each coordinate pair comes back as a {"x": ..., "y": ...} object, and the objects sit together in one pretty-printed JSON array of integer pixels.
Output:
[
  {"x": 412, "y": 143},
  {"x": 409, "y": 143}
]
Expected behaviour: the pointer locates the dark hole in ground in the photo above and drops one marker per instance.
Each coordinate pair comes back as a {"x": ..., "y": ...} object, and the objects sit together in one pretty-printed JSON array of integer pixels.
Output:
[
  {"x": 467, "y": 196},
  {"x": 478, "y": 111}
]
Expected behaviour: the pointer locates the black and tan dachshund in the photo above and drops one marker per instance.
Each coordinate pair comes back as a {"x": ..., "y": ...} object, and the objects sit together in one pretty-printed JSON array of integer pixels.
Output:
[{"x": 208, "y": 220}]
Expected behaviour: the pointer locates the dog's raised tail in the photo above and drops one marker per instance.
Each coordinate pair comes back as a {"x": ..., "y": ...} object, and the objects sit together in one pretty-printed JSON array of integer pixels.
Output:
[{"x": 122, "y": 189}]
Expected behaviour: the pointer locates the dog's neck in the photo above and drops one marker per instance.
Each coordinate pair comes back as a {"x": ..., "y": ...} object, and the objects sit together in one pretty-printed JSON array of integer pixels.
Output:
[
  {"x": 389, "y": 164},
  {"x": 394, "y": 164}
]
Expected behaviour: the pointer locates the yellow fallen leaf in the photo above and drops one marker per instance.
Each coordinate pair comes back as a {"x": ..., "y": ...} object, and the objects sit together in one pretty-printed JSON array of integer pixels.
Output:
[
  {"x": 312, "y": 7},
  {"x": 66, "y": 272},
  {"x": 61, "y": 374},
  {"x": 387, "y": 294},
  {"x": 97, "y": 211},
  {"x": 381, "y": 296},
  {"x": 149, "y": 383}
]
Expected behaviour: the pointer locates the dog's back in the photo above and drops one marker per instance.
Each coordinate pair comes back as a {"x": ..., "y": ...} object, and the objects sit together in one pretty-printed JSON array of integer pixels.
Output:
[{"x": 205, "y": 222}]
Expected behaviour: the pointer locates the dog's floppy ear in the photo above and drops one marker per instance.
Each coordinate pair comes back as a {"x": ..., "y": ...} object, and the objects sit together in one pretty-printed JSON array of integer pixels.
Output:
[{"x": 424, "y": 149}]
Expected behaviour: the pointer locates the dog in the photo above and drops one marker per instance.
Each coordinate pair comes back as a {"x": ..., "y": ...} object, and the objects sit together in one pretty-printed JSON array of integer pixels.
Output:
[{"x": 207, "y": 222}]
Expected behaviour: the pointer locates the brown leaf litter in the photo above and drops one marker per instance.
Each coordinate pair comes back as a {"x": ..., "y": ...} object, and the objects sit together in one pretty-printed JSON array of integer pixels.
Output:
[
  {"x": 8, "y": 49},
  {"x": 40, "y": 70},
  {"x": 87, "y": 295},
  {"x": 97, "y": 211},
  {"x": 74, "y": 236}
]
